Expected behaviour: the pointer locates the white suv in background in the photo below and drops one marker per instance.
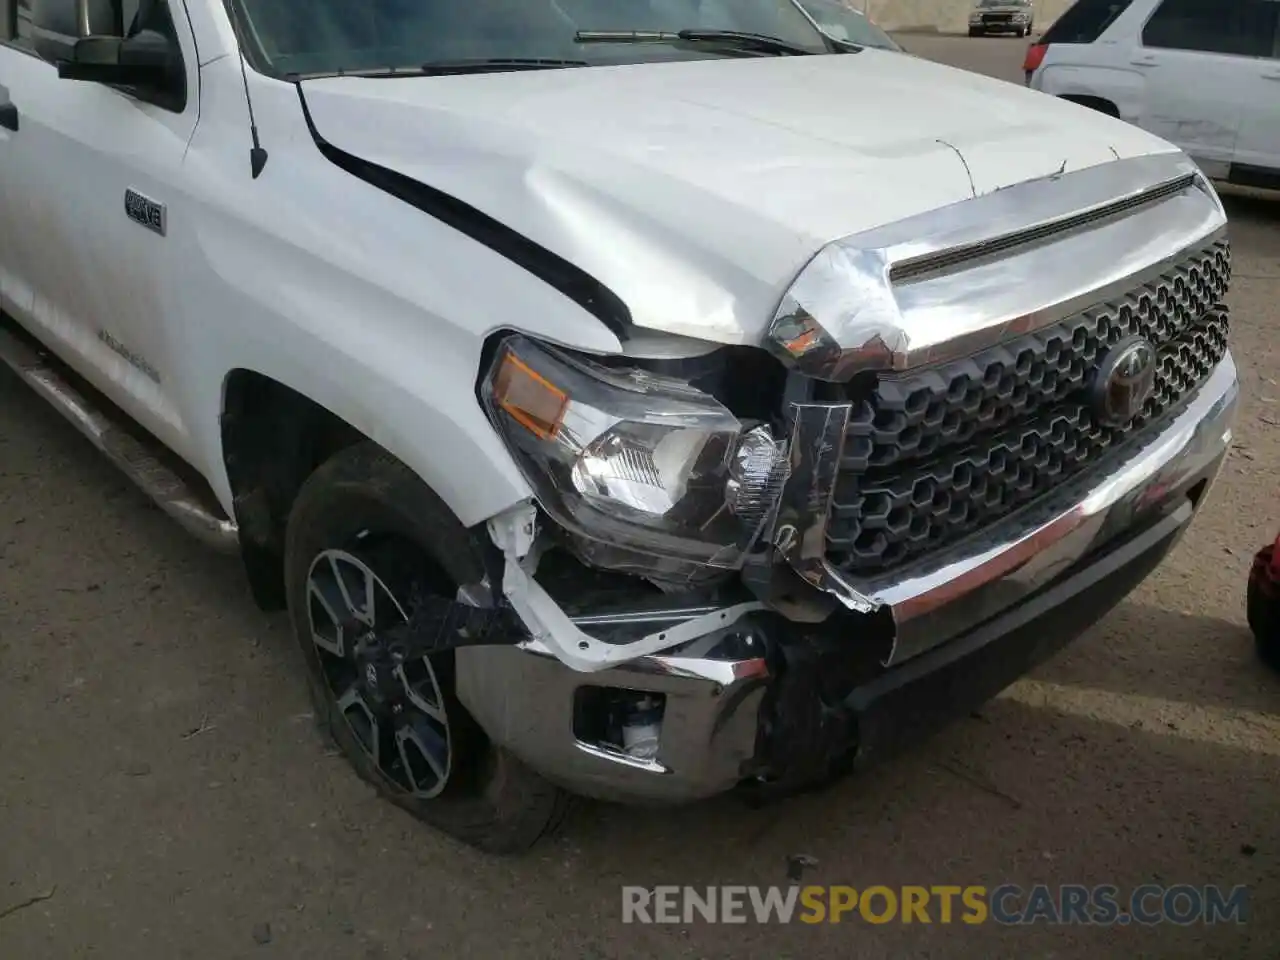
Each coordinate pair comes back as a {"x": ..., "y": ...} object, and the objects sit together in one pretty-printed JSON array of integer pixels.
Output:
[{"x": 1204, "y": 74}]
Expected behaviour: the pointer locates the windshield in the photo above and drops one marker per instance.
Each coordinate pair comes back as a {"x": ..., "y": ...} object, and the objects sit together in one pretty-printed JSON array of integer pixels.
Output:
[
  {"x": 842, "y": 23},
  {"x": 335, "y": 36}
]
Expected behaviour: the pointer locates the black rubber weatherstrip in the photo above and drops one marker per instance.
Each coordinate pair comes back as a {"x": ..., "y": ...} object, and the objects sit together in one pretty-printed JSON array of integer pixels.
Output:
[{"x": 575, "y": 283}]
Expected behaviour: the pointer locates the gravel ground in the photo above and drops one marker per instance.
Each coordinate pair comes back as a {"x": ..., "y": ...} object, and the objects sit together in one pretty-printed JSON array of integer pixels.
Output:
[{"x": 163, "y": 794}]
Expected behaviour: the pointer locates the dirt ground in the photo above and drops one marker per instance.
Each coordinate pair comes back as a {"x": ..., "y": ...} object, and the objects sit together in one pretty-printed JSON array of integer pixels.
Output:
[{"x": 163, "y": 793}]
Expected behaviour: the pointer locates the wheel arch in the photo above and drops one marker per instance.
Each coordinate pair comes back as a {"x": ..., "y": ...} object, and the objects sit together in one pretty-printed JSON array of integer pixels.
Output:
[
  {"x": 1101, "y": 104},
  {"x": 274, "y": 436}
]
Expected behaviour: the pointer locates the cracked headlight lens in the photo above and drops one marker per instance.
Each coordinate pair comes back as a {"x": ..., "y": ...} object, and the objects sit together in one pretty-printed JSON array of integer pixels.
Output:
[{"x": 630, "y": 459}]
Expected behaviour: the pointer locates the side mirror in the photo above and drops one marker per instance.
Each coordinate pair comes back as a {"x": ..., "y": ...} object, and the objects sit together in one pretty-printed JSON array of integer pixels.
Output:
[
  {"x": 56, "y": 25},
  {"x": 144, "y": 60}
]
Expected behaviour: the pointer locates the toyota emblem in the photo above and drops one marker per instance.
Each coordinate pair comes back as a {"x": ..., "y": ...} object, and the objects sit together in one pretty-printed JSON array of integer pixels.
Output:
[{"x": 1124, "y": 381}]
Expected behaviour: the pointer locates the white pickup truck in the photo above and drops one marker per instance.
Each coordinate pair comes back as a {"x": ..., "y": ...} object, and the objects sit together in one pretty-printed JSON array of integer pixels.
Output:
[{"x": 633, "y": 399}]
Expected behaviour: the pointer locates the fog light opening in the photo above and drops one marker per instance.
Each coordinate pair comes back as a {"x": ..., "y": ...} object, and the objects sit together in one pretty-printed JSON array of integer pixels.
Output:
[{"x": 625, "y": 721}]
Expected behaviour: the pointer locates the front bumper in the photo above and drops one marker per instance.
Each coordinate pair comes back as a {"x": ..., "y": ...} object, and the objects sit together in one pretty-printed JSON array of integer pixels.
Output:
[
  {"x": 793, "y": 704},
  {"x": 994, "y": 26}
]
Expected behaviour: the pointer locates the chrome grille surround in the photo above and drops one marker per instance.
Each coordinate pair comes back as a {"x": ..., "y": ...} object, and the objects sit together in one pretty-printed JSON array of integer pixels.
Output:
[
  {"x": 981, "y": 275},
  {"x": 1083, "y": 238}
]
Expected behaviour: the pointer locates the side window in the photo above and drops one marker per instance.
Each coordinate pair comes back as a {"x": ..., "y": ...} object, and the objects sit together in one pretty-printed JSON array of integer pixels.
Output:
[
  {"x": 1085, "y": 22},
  {"x": 1244, "y": 28}
]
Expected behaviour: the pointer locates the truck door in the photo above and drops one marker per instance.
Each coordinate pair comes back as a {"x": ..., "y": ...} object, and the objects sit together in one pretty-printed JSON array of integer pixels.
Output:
[
  {"x": 92, "y": 178},
  {"x": 16, "y": 239},
  {"x": 1195, "y": 58},
  {"x": 1258, "y": 146}
]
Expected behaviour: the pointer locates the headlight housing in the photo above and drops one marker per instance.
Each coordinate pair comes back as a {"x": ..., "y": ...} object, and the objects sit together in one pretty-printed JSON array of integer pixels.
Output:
[{"x": 632, "y": 464}]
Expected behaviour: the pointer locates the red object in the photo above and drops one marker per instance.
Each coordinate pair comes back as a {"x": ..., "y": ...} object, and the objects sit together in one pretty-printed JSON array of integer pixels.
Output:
[
  {"x": 1035, "y": 57},
  {"x": 1263, "y": 602}
]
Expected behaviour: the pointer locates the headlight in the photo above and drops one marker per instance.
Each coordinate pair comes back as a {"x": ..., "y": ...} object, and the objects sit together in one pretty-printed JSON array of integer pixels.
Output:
[
  {"x": 629, "y": 459},
  {"x": 975, "y": 18}
]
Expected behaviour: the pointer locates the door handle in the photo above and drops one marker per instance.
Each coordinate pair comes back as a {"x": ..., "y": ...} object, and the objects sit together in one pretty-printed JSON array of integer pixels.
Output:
[
  {"x": 1271, "y": 76},
  {"x": 1144, "y": 62},
  {"x": 9, "y": 116}
]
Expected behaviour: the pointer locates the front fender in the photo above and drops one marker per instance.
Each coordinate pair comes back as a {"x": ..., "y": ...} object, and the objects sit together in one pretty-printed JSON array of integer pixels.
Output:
[{"x": 368, "y": 307}]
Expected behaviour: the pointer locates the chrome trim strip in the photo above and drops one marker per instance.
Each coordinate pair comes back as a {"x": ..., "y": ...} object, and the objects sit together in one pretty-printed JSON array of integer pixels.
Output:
[
  {"x": 614, "y": 755},
  {"x": 958, "y": 256},
  {"x": 955, "y": 590},
  {"x": 800, "y": 534},
  {"x": 870, "y": 321}
]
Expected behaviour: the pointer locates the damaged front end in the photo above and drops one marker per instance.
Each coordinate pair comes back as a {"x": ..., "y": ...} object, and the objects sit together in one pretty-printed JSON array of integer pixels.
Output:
[
  {"x": 681, "y": 482},
  {"x": 764, "y": 564}
]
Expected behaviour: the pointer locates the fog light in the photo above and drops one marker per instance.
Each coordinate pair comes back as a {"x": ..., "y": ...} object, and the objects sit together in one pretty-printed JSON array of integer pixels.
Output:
[
  {"x": 642, "y": 728},
  {"x": 620, "y": 722}
]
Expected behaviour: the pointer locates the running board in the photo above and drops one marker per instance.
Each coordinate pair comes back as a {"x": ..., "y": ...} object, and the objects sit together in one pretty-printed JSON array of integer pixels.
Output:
[{"x": 140, "y": 461}]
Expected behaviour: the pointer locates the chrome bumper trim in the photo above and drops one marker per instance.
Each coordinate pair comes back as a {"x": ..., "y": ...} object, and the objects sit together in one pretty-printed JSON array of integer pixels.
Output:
[
  {"x": 523, "y": 698},
  {"x": 954, "y": 591}
]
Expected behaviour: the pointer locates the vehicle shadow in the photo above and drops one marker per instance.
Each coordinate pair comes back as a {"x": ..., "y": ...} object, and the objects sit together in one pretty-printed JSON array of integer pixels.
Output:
[
  {"x": 1262, "y": 206},
  {"x": 1022, "y": 795},
  {"x": 1181, "y": 657}
]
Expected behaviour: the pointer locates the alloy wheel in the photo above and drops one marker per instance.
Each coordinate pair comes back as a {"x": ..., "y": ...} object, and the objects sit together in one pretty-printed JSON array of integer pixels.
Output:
[{"x": 393, "y": 705}]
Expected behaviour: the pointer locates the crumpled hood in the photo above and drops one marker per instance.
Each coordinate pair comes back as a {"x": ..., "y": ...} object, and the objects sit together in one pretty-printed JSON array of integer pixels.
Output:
[{"x": 697, "y": 190}]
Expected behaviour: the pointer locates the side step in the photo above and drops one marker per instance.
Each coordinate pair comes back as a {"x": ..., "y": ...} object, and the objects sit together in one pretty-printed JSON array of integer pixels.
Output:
[{"x": 141, "y": 462}]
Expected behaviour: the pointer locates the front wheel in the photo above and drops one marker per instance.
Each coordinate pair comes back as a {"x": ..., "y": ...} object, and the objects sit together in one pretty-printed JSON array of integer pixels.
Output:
[
  {"x": 365, "y": 539},
  {"x": 974, "y": 33}
]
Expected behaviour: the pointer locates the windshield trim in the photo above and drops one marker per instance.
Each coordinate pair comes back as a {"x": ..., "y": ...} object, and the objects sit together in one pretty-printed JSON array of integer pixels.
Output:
[{"x": 254, "y": 53}]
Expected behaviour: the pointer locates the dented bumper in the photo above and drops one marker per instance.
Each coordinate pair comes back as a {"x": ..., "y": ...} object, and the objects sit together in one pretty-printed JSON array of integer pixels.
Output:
[{"x": 764, "y": 699}]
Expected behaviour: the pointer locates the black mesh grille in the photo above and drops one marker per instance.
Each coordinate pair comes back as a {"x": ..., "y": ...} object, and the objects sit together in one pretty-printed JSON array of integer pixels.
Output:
[{"x": 933, "y": 455}]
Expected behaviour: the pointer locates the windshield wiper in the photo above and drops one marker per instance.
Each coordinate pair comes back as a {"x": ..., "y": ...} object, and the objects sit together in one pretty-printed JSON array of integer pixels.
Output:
[
  {"x": 734, "y": 39},
  {"x": 497, "y": 64},
  {"x": 448, "y": 67}
]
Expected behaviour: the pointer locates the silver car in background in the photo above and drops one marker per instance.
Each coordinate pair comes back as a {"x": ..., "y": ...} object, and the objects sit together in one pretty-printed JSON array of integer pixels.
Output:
[{"x": 1001, "y": 16}]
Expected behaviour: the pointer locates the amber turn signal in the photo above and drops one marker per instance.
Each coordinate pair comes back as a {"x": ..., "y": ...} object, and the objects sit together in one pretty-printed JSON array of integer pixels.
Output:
[{"x": 529, "y": 398}]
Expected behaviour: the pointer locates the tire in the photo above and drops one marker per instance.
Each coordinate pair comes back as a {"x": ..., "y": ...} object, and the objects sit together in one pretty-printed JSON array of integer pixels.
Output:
[
  {"x": 366, "y": 521},
  {"x": 974, "y": 33},
  {"x": 1021, "y": 34},
  {"x": 1101, "y": 106}
]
